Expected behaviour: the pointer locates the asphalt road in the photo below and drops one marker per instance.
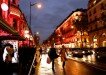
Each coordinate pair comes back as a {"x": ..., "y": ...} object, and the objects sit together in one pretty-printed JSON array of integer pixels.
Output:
[{"x": 73, "y": 67}]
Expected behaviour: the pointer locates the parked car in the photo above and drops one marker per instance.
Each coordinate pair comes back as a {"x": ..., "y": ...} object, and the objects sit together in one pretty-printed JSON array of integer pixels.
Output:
[
  {"x": 77, "y": 52},
  {"x": 100, "y": 52},
  {"x": 87, "y": 51}
]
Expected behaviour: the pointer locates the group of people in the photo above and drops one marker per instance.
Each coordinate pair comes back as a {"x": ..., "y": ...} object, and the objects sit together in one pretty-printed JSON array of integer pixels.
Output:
[{"x": 53, "y": 55}]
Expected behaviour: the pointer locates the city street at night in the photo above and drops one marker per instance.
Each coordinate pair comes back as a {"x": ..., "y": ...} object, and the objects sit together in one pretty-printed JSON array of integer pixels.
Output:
[
  {"x": 72, "y": 67},
  {"x": 77, "y": 68},
  {"x": 52, "y": 37}
]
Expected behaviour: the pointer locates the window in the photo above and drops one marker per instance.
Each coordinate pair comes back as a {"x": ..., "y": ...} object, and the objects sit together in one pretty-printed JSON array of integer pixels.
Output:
[
  {"x": 95, "y": 19},
  {"x": 15, "y": 24},
  {"x": 91, "y": 28},
  {"x": 94, "y": 2},
  {"x": 96, "y": 26},
  {"x": 13, "y": 1},
  {"x": 103, "y": 6},
  {"x": 94, "y": 11},
  {"x": 90, "y": 14}
]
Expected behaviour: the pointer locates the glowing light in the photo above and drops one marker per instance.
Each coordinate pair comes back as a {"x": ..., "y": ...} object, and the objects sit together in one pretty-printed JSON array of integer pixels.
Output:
[
  {"x": 37, "y": 33},
  {"x": 4, "y": 6},
  {"x": 39, "y": 5},
  {"x": 59, "y": 35},
  {"x": 63, "y": 38},
  {"x": 27, "y": 36},
  {"x": 26, "y": 31},
  {"x": 72, "y": 27}
]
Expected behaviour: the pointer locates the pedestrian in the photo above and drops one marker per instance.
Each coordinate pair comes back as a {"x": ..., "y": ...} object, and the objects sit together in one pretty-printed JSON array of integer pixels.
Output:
[
  {"x": 63, "y": 56},
  {"x": 52, "y": 55}
]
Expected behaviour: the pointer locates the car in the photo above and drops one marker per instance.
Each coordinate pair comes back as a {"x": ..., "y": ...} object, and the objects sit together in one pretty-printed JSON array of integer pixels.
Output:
[
  {"x": 100, "y": 52},
  {"x": 87, "y": 51},
  {"x": 77, "y": 52}
]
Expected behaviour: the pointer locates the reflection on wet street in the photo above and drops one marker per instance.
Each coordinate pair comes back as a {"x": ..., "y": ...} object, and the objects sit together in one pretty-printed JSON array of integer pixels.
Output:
[
  {"x": 91, "y": 59},
  {"x": 46, "y": 69},
  {"x": 72, "y": 67},
  {"x": 76, "y": 68}
]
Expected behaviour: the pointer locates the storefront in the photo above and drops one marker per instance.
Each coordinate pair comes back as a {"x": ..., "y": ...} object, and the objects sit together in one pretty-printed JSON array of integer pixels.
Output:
[{"x": 9, "y": 36}]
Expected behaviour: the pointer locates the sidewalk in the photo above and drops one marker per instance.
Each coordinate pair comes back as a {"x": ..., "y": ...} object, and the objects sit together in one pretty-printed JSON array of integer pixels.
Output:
[{"x": 46, "y": 69}]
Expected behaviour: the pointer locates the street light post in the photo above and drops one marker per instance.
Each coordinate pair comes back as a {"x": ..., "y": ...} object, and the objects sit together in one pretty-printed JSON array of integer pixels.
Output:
[{"x": 38, "y": 6}]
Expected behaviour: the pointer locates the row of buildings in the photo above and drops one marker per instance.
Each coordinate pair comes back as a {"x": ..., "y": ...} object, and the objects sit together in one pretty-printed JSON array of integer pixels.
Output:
[
  {"x": 14, "y": 28},
  {"x": 82, "y": 28}
]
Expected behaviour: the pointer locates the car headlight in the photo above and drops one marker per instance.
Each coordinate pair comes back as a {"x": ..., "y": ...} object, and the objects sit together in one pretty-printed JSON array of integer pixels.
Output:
[{"x": 83, "y": 52}]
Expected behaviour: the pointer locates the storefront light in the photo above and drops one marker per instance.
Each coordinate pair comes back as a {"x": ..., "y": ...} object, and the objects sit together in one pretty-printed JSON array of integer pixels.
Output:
[
  {"x": 72, "y": 27},
  {"x": 26, "y": 31},
  {"x": 27, "y": 36}
]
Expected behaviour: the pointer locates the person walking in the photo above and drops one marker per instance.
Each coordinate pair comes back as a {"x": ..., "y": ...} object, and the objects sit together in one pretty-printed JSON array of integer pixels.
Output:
[
  {"x": 63, "y": 56},
  {"x": 52, "y": 55}
]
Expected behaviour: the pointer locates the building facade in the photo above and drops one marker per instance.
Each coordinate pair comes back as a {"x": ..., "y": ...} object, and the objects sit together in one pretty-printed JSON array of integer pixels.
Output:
[
  {"x": 72, "y": 31},
  {"x": 97, "y": 23},
  {"x": 13, "y": 25}
]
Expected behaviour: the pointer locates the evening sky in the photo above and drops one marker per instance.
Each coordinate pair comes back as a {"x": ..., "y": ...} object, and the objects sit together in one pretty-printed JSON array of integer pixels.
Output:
[{"x": 52, "y": 13}]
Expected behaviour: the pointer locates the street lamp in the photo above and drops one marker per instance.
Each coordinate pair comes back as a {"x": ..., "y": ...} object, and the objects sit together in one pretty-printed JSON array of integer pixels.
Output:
[
  {"x": 37, "y": 33},
  {"x": 38, "y": 6}
]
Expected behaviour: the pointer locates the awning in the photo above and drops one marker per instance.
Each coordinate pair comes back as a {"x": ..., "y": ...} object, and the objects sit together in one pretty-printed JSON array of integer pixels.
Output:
[
  {"x": 5, "y": 26},
  {"x": 12, "y": 37}
]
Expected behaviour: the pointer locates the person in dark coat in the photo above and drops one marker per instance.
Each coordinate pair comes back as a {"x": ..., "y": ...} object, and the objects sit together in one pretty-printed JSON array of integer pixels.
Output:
[{"x": 53, "y": 55}]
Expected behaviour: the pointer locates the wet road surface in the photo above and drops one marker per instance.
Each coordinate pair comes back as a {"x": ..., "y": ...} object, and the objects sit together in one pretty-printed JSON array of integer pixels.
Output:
[
  {"x": 76, "y": 68},
  {"x": 72, "y": 67}
]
